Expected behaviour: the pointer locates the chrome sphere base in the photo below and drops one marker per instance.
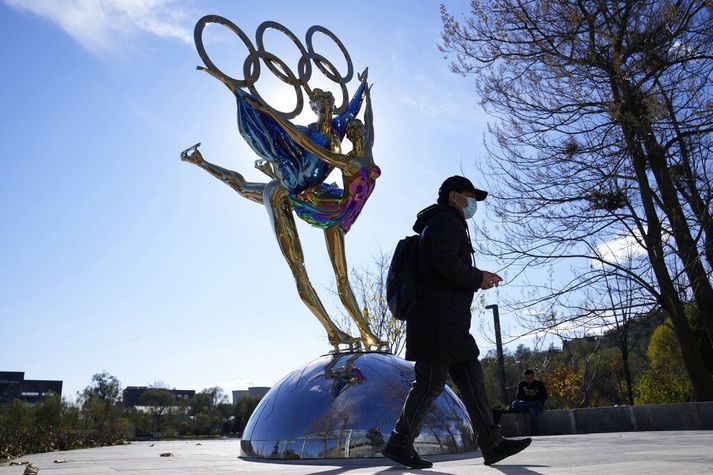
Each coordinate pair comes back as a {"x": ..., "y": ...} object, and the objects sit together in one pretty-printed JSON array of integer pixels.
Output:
[{"x": 344, "y": 405}]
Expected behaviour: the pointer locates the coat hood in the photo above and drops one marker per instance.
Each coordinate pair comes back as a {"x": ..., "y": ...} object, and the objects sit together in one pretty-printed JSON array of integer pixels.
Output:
[{"x": 425, "y": 215}]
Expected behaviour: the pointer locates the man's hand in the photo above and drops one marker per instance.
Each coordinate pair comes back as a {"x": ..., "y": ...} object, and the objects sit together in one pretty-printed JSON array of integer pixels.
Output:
[{"x": 490, "y": 280}]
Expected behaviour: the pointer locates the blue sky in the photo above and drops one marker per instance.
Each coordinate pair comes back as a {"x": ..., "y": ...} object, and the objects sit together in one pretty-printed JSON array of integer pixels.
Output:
[{"x": 116, "y": 255}]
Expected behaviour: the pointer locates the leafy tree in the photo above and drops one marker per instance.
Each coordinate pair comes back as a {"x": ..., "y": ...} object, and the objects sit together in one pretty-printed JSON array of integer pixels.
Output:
[
  {"x": 101, "y": 408},
  {"x": 15, "y": 426},
  {"x": 159, "y": 403},
  {"x": 207, "y": 400},
  {"x": 55, "y": 424},
  {"x": 49, "y": 411},
  {"x": 563, "y": 387},
  {"x": 664, "y": 347},
  {"x": 660, "y": 385},
  {"x": 664, "y": 381},
  {"x": 142, "y": 423},
  {"x": 106, "y": 387},
  {"x": 122, "y": 429},
  {"x": 243, "y": 409},
  {"x": 210, "y": 410},
  {"x": 603, "y": 133},
  {"x": 203, "y": 423}
]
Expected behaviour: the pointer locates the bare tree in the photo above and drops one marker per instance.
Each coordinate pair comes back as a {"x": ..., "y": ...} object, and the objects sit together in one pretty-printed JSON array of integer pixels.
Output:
[
  {"x": 586, "y": 355},
  {"x": 620, "y": 293},
  {"x": 603, "y": 130},
  {"x": 369, "y": 285},
  {"x": 615, "y": 306}
]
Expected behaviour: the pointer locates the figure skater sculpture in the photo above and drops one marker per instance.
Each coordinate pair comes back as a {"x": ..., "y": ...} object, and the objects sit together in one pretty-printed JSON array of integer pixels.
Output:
[{"x": 298, "y": 159}]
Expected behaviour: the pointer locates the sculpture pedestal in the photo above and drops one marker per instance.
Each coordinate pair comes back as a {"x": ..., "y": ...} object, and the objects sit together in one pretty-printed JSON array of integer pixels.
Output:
[{"x": 345, "y": 405}]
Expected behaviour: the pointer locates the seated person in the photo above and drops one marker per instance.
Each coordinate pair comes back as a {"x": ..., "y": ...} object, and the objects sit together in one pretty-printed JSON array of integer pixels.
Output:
[{"x": 531, "y": 396}]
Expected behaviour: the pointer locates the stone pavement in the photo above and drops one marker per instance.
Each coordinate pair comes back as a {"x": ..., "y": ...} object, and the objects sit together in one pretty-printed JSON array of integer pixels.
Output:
[{"x": 673, "y": 452}]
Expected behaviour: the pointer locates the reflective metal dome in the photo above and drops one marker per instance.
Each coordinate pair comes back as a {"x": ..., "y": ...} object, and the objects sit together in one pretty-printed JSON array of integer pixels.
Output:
[{"x": 345, "y": 405}]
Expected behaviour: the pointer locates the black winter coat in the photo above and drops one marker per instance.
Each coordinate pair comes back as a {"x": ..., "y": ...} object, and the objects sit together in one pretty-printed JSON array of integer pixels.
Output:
[
  {"x": 438, "y": 329},
  {"x": 532, "y": 392}
]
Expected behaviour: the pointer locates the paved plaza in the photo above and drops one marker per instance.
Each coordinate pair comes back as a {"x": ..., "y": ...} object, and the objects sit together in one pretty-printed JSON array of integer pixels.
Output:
[{"x": 684, "y": 452}]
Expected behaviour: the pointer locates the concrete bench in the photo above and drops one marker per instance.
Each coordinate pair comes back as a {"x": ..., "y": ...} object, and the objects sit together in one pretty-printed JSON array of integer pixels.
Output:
[{"x": 680, "y": 416}]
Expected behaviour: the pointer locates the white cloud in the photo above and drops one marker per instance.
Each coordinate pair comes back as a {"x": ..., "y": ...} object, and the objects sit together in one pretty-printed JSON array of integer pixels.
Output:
[
  {"x": 621, "y": 249},
  {"x": 437, "y": 104},
  {"x": 101, "y": 25}
]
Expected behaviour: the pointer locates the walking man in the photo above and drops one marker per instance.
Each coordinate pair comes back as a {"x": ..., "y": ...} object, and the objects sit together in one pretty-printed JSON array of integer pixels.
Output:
[{"x": 437, "y": 331}]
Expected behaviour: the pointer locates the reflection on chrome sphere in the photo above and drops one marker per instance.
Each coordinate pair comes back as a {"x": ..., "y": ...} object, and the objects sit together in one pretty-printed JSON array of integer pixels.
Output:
[{"x": 345, "y": 406}]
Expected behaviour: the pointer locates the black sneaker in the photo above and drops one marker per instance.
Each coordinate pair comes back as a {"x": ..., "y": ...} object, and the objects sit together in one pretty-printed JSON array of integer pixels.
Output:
[
  {"x": 408, "y": 457},
  {"x": 506, "y": 448}
]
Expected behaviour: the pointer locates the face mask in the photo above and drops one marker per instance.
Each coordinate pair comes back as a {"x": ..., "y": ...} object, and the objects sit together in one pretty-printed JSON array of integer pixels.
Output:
[{"x": 470, "y": 209}]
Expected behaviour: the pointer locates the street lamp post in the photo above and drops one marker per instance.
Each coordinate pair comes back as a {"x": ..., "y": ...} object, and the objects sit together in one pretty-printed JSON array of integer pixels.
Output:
[{"x": 499, "y": 349}]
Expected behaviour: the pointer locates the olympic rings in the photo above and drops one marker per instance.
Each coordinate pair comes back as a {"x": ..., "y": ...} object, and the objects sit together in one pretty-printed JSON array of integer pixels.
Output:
[
  {"x": 251, "y": 65},
  {"x": 319, "y": 59},
  {"x": 251, "y": 72},
  {"x": 259, "y": 34},
  {"x": 333, "y": 77},
  {"x": 286, "y": 75}
]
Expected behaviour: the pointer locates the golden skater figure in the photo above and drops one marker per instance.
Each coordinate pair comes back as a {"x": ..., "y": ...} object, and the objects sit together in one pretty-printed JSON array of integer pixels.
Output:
[
  {"x": 336, "y": 209},
  {"x": 324, "y": 206}
]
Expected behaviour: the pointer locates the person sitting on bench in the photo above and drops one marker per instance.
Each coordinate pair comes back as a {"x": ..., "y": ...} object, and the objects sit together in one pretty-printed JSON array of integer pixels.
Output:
[{"x": 530, "y": 398}]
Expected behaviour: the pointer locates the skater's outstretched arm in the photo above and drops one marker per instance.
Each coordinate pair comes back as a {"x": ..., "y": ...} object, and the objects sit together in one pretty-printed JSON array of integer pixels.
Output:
[{"x": 337, "y": 160}]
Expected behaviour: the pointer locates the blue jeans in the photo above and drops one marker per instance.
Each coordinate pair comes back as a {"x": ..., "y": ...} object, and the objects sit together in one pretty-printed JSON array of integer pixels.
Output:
[{"x": 533, "y": 408}]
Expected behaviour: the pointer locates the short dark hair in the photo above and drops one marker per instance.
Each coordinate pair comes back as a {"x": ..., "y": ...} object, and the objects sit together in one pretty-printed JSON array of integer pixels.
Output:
[{"x": 528, "y": 371}]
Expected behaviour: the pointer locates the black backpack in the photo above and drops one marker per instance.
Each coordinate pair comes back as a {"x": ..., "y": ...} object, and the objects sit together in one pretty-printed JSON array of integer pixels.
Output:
[{"x": 401, "y": 285}]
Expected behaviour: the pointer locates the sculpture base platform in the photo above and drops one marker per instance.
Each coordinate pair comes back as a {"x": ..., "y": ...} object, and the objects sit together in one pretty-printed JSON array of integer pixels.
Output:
[{"x": 345, "y": 405}]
